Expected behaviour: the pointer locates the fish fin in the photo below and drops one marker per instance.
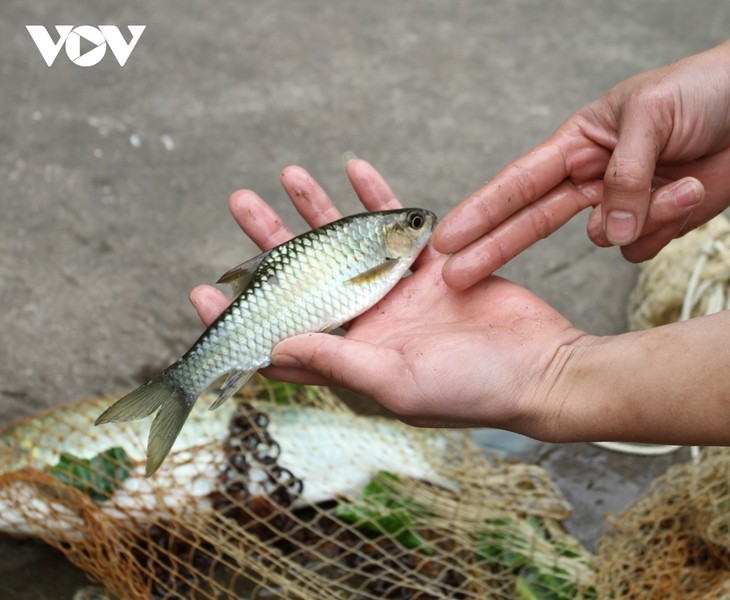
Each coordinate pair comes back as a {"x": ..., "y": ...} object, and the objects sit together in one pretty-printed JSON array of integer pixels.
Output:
[
  {"x": 374, "y": 273},
  {"x": 138, "y": 404},
  {"x": 234, "y": 382},
  {"x": 158, "y": 393},
  {"x": 165, "y": 429},
  {"x": 240, "y": 277}
]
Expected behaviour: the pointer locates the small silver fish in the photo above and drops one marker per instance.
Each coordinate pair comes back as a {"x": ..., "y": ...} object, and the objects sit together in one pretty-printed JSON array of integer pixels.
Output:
[
  {"x": 312, "y": 283},
  {"x": 332, "y": 451}
]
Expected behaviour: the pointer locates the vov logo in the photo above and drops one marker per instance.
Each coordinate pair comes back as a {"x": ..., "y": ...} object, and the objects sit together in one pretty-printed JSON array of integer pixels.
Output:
[{"x": 70, "y": 37}]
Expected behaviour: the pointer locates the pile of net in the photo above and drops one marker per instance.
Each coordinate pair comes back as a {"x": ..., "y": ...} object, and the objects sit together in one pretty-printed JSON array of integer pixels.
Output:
[
  {"x": 287, "y": 493},
  {"x": 690, "y": 277},
  {"x": 674, "y": 540}
]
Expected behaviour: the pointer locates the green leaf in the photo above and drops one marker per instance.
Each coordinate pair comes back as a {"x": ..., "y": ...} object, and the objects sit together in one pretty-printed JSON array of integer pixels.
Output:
[
  {"x": 513, "y": 543},
  {"x": 97, "y": 477},
  {"x": 282, "y": 392},
  {"x": 383, "y": 507}
]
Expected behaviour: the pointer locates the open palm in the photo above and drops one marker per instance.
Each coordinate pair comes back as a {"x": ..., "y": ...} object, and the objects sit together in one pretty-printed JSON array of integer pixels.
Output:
[{"x": 430, "y": 354}]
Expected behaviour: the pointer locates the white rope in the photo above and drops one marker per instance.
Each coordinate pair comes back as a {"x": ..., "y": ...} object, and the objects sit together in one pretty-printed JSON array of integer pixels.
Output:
[{"x": 637, "y": 449}]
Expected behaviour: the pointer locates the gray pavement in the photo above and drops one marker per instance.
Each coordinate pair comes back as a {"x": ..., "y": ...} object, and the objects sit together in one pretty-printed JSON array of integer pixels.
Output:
[{"x": 115, "y": 179}]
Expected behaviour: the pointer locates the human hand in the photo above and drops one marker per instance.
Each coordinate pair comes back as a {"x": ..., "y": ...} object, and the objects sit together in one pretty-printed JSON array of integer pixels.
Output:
[
  {"x": 430, "y": 354},
  {"x": 652, "y": 156}
]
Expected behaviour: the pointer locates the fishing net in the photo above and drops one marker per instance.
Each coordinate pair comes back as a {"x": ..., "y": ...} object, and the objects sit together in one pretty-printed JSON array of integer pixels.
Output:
[
  {"x": 690, "y": 277},
  {"x": 285, "y": 492},
  {"x": 674, "y": 540}
]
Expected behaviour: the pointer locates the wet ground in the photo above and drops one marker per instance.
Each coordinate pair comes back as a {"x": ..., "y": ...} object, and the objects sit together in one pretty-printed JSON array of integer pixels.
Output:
[{"x": 115, "y": 179}]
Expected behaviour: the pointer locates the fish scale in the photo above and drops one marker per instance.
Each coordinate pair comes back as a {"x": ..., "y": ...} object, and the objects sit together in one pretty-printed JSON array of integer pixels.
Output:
[{"x": 314, "y": 282}]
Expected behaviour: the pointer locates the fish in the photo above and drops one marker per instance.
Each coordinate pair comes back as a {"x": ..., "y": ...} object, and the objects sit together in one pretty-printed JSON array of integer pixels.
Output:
[
  {"x": 334, "y": 452},
  {"x": 314, "y": 282}
]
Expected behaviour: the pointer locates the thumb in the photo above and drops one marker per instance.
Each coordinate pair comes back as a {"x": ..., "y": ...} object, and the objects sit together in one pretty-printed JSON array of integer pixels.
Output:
[
  {"x": 628, "y": 177},
  {"x": 671, "y": 203},
  {"x": 353, "y": 364}
]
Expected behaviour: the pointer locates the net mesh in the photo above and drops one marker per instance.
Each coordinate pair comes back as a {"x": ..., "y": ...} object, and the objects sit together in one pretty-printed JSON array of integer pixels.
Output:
[
  {"x": 285, "y": 492},
  {"x": 689, "y": 278},
  {"x": 288, "y": 493},
  {"x": 674, "y": 540}
]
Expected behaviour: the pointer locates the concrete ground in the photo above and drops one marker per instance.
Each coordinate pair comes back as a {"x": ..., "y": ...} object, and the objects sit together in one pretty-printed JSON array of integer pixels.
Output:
[{"x": 115, "y": 179}]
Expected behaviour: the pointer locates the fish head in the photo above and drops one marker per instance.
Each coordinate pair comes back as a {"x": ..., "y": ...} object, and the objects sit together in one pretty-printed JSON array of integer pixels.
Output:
[{"x": 407, "y": 231}]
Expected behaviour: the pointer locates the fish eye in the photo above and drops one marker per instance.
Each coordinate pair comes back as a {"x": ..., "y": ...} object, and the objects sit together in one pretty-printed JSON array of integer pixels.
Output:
[{"x": 415, "y": 220}]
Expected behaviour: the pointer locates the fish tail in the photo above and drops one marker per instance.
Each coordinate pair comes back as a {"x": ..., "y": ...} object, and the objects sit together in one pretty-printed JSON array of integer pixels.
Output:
[{"x": 174, "y": 405}]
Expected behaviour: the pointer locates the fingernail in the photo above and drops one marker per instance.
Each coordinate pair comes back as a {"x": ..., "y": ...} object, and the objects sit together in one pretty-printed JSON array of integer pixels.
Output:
[
  {"x": 348, "y": 156},
  {"x": 687, "y": 194},
  {"x": 620, "y": 227},
  {"x": 285, "y": 360}
]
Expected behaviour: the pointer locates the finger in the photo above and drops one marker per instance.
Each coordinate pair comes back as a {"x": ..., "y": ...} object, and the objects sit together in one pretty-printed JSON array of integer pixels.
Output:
[
  {"x": 648, "y": 246},
  {"x": 209, "y": 302},
  {"x": 258, "y": 220},
  {"x": 301, "y": 376},
  {"x": 370, "y": 186},
  {"x": 499, "y": 246},
  {"x": 375, "y": 194},
  {"x": 308, "y": 197},
  {"x": 515, "y": 187},
  {"x": 353, "y": 364},
  {"x": 712, "y": 172},
  {"x": 628, "y": 177},
  {"x": 669, "y": 204}
]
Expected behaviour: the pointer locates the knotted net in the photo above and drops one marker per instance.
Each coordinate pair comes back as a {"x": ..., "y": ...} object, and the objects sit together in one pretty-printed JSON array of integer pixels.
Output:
[
  {"x": 690, "y": 277},
  {"x": 285, "y": 492},
  {"x": 674, "y": 540}
]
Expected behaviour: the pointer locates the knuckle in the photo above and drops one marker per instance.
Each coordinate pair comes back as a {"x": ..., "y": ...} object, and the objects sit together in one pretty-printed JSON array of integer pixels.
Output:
[
  {"x": 319, "y": 357},
  {"x": 484, "y": 210},
  {"x": 541, "y": 221},
  {"x": 650, "y": 99},
  {"x": 523, "y": 182},
  {"x": 497, "y": 250},
  {"x": 626, "y": 174}
]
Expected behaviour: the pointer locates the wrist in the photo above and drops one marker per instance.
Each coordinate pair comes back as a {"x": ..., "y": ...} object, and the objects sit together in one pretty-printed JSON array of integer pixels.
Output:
[
  {"x": 560, "y": 408},
  {"x": 666, "y": 385},
  {"x": 611, "y": 388}
]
